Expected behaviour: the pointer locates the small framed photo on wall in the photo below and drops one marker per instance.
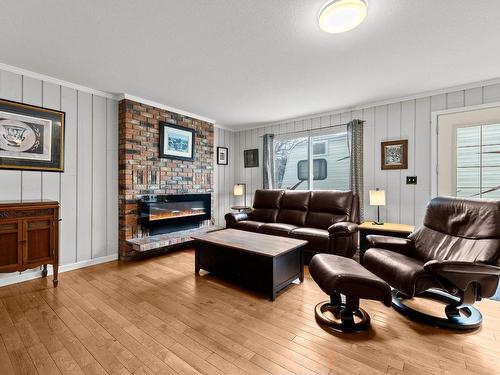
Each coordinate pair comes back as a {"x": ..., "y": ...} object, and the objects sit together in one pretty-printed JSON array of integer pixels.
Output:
[
  {"x": 222, "y": 155},
  {"x": 394, "y": 154},
  {"x": 251, "y": 158},
  {"x": 176, "y": 142}
]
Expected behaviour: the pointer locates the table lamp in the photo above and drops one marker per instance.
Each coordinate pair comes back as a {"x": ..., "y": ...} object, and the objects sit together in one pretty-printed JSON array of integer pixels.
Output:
[
  {"x": 377, "y": 198},
  {"x": 240, "y": 189}
]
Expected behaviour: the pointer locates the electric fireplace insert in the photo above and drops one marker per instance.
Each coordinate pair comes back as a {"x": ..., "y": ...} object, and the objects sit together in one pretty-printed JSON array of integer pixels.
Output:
[{"x": 175, "y": 212}]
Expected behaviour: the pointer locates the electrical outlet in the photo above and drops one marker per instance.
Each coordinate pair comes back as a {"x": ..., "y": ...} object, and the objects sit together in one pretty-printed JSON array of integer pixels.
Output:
[{"x": 411, "y": 180}]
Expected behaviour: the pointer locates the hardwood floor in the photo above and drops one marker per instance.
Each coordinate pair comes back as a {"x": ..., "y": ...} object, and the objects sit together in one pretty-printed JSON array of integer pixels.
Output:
[{"x": 156, "y": 317}]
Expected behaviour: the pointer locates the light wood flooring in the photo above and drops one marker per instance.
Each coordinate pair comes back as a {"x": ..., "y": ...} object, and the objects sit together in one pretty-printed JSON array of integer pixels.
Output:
[{"x": 156, "y": 317}]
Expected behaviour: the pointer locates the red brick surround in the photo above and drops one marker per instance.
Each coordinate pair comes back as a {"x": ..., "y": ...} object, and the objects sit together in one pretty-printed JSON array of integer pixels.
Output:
[{"x": 141, "y": 170}]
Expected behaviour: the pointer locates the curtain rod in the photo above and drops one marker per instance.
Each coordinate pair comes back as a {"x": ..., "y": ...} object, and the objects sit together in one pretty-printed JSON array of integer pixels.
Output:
[{"x": 310, "y": 130}]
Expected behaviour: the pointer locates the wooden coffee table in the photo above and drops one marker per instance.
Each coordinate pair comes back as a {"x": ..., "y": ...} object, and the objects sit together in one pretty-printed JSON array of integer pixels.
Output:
[{"x": 253, "y": 260}]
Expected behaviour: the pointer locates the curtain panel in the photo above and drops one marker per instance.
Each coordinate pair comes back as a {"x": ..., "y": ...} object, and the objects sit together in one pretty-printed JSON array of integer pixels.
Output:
[
  {"x": 268, "y": 161},
  {"x": 355, "y": 142}
]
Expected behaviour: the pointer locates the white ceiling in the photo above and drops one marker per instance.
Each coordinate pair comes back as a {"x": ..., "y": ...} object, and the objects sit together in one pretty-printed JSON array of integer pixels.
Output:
[{"x": 247, "y": 62}]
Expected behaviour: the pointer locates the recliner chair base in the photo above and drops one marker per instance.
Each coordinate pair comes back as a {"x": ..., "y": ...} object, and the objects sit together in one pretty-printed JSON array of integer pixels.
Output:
[
  {"x": 344, "y": 314},
  {"x": 454, "y": 320}
]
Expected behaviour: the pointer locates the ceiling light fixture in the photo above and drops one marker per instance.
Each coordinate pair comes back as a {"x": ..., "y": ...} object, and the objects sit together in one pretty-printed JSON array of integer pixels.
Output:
[{"x": 338, "y": 16}]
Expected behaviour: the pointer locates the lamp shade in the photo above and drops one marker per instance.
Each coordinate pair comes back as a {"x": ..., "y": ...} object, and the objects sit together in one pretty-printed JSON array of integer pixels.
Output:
[
  {"x": 377, "y": 197},
  {"x": 239, "y": 189}
]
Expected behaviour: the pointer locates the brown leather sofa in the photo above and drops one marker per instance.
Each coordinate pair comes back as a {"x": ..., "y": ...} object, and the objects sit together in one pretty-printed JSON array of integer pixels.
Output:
[
  {"x": 327, "y": 219},
  {"x": 456, "y": 251}
]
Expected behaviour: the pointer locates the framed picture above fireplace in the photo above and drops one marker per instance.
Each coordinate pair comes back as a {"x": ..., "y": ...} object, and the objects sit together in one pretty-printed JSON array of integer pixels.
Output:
[
  {"x": 176, "y": 142},
  {"x": 31, "y": 137}
]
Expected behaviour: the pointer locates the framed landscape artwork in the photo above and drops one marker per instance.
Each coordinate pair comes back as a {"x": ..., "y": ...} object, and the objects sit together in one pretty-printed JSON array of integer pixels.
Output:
[
  {"x": 31, "y": 137},
  {"x": 394, "y": 154},
  {"x": 222, "y": 155},
  {"x": 251, "y": 158},
  {"x": 176, "y": 142}
]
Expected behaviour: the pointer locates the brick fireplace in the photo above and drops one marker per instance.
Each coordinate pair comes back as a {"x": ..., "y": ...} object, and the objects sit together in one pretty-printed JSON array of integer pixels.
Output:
[{"x": 142, "y": 172}]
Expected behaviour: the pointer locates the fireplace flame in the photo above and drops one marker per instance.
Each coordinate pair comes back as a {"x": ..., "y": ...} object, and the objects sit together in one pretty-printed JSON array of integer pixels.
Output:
[{"x": 171, "y": 214}]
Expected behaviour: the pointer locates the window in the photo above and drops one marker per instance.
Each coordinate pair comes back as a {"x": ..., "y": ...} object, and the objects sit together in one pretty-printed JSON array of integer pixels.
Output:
[
  {"x": 478, "y": 161},
  {"x": 319, "y": 169},
  {"x": 319, "y": 148},
  {"x": 330, "y": 171}
]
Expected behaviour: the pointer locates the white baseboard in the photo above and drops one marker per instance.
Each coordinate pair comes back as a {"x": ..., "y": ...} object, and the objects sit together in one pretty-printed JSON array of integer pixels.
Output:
[{"x": 35, "y": 273}]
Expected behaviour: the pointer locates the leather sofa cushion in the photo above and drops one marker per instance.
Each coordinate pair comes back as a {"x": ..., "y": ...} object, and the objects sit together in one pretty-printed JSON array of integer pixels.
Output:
[
  {"x": 277, "y": 229},
  {"x": 265, "y": 206},
  {"x": 338, "y": 274},
  {"x": 401, "y": 272},
  {"x": 248, "y": 225},
  {"x": 267, "y": 198},
  {"x": 265, "y": 215},
  {"x": 318, "y": 239},
  {"x": 329, "y": 207},
  {"x": 293, "y": 207},
  {"x": 433, "y": 245}
]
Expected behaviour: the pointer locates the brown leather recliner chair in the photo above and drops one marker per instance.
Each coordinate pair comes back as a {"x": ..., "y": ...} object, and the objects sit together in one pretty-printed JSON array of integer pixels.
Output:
[{"x": 454, "y": 257}]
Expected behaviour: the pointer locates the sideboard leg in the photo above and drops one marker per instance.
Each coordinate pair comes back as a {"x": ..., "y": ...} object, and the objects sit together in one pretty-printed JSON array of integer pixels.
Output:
[{"x": 56, "y": 271}]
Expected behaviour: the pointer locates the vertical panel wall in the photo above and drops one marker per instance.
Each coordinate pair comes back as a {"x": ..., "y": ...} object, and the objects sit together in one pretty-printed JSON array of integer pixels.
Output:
[
  {"x": 409, "y": 119},
  {"x": 88, "y": 188},
  {"x": 224, "y": 175}
]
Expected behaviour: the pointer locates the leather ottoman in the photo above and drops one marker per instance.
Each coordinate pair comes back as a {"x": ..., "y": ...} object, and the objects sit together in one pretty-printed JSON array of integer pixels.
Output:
[{"x": 338, "y": 276}]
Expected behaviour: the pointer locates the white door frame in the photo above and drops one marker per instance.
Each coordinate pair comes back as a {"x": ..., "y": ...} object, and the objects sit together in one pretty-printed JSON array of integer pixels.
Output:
[{"x": 434, "y": 137}]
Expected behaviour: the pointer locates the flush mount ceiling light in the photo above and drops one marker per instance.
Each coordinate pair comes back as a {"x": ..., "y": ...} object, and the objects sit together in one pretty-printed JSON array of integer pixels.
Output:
[{"x": 338, "y": 16}]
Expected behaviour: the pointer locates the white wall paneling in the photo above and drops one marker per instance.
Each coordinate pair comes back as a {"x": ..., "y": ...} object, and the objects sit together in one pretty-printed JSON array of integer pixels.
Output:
[
  {"x": 409, "y": 119},
  {"x": 224, "y": 174},
  {"x": 99, "y": 175},
  {"x": 407, "y": 192},
  {"x": 69, "y": 105},
  {"x": 84, "y": 177},
  {"x": 88, "y": 188},
  {"x": 112, "y": 176}
]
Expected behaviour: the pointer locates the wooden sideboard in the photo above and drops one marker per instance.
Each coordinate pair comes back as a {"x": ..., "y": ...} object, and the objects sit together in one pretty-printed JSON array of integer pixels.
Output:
[{"x": 29, "y": 236}]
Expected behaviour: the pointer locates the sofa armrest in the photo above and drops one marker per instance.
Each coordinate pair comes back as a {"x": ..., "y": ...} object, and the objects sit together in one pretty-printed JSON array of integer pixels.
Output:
[
  {"x": 343, "y": 228},
  {"x": 234, "y": 217},
  {"x": 403, "y": 246},
  {"x": 461, "y": 274}
]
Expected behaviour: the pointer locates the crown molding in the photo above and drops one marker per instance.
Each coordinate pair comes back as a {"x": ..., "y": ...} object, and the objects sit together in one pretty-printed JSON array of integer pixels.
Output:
[
  {"x": 225, "y": 128},
  {"x": 163, "y": 106},
  {"x": 56, "y": 81},
  {"x": 367, "y": 105},
  {"x": 60, "y": 82}
]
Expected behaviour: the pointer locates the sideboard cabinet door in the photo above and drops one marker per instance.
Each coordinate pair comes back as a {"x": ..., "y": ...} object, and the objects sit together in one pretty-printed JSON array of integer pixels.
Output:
[
  {"x": 39, "y": 243},
  {"x": 10, "y": 245}
]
